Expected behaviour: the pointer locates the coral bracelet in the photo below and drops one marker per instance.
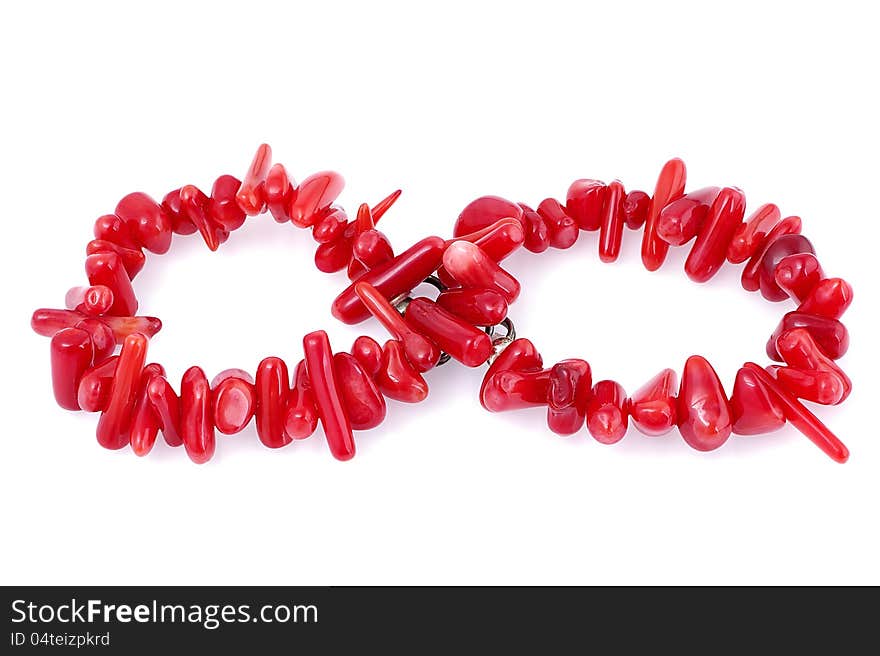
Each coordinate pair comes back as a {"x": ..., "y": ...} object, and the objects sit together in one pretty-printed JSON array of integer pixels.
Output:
[{"x": 346, "y": 391}]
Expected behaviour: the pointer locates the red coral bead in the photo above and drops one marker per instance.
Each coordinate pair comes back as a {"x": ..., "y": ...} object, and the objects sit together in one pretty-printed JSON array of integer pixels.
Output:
[
  {"x": 568, "y": 393},
  {"x": 801, "y": 418},
  {"x": 653, "y": 406},
  {"x": 180, "y": 223},
  {"x": 107, "y": 269},
  {"x": 754, "y": 408},
  {"x": 750, "y": 236},
  {"x": 392, "y": 279},
  {"x": 584, "y": 201},
  {"x": 420, "y": 350},
  {"x": 562, "y": 229},
  {"x": 471, "y": 267},
  {"x": 397, "y": 378},
  {"x": 234, "y": 402},
  {"x": 315, "y": 194},
  {"x": 71, "y": 355},
  {"x": 485, "y": 211},
  {"x": 607, "y": 418},
  {"x": 113, "y": 229},
  {"x": 461, "y": 340},
  {"x": 782, "y": 248},
  {"x": 515, "y": 379},
  {"x": 331, "y": 227},
  {"x": 93, "y": 390},
  {"x": 829, "y": 298},
  {"x": 681, "y": 220},
  {"x": 145, "y": 423},
  {"x": 378, "y": 211},
  {"x": 194, "y": 205},
  {"x": 537, "y": 234},
  {"x": 146, "y": 221},
  {"x": 196, "y": 420},
  {"x": 635, "y": 209},
  {"x": 103, "y": 339},
  {"x": 92, "y": 301},
  {"x": 166, "y": 403},
  {"x": 670, "y": 185},
  {"x": 498, "y": 240},
  {"x": 372, "y": 248},
  {"x": 251, "y": 195},
  {"x": 710, "y": 248},
  {"x": 333, "y": 256},
  {"x": 751, "y": 275},
  {"x": 811, "y": 375},
  {"x": 368, "y": 353},
  {"x": 364, "y": 404},
  {"x": 704, "y": 415},
  {"x": 480, "y": 307},
  {"x": 223, "y": 207},
  {"x": 611, "y": 230},
  {"x": 113, "y": 425},
  {"x": 797, "y": 274},
  {"x": 325, "y": 387},
  {"x": 830, "y": 335},
  {"x": 279, "y": 192},
  {"x": 132, "y": 259},
  {"x": 271, "y": 388},
  {"x": 302, "y": 411}
]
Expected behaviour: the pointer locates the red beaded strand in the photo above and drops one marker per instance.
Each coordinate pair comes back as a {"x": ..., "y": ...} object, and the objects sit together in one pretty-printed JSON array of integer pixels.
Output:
[{"x": 780, "y": 262}]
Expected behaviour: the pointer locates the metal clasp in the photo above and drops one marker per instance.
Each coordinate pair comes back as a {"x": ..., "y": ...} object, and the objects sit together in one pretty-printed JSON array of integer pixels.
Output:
[{"x": 501, "y": 343}]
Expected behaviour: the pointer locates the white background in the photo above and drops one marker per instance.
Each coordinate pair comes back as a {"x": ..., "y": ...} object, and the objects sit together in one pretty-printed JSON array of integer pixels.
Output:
[{"x": 448, "y": 103}]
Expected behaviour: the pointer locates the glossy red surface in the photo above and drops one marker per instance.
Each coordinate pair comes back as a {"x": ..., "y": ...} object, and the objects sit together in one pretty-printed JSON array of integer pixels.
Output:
[
  {"x": 515, "y": 379},
  {"x": 107, "y": 269},
  {"x": 796, "y": 275},
  {"x": 569, "y": 389},
  {"x": 461, "y": 340},
  {"x": 234, "y": 402},
  {"x": 379, "y": 209},
  {"x": 166, "y": 403},
  {"x": 146, "y": 221},
  {"x": 704, "y": 416},
  {"x": 561, "y": 228},
  {"x": 670, "y": 185},
  {"x": 498, "y": 240},
  {"x": 830, "y": 335},
  {"x": 611, "y": 230},
  {"x": 485, "y": 211},
  {"x": 113, "y": 426},
  {"x": 145, "y": 422},
  {"x": 364, "y": 403},
  {"x": 810, "y": 374},
  {"x": 397, "y": 378},
  {"x": 584, "y": 201},
  {"x": 93, "y": 301},
  {"x": 331, "y": 227},
  {"x": 251, "y": 195},
  {"x": 537, "y": 234},
  {"x": 471, "y": 267},
  {"x": 103, "y": 339},
  {"x": 194, "y": 205},
  {"x": 480, "y": 307},
  {"x": 801, "y": 418},
  {"x": 782, "y": 248},
  {"x": 180, "y": 223},
  {"x": 653, "y": 406},
  {"x": 333, "y": 256},
  {"x": 829, "y": 298},
  {"x": 132, "y": 259},
  {"x": 710, "y": 249},
  {"x": 325, "y": 387},
  {"x": 315, "y": 194},
  {"x": 271, "y": 387},
  {"x": 681, "y": 220},
  {"x": 751, "y": 275},
  {"x": 420, "y": 349},
  {"x": 113, "y": 229},
  {"x": 635, "y": 209},
  {"x": 607, "y": 417},
  {"x": 750, "y": 236},
  {"x": 372, "y": 248},
  {"x": 395, "y": 277},
  {"x": 301, "y": 419},
  {"x": 279, "y": 192},
  {"x": 223, "y": 207},
  {"x": 754, "y": 409},
  {"x": 368, "y": 353},
  {"x": 71, "y": 355},
  {"x": 93, "y": 391},
  {"x": 196, "y": 420}
]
